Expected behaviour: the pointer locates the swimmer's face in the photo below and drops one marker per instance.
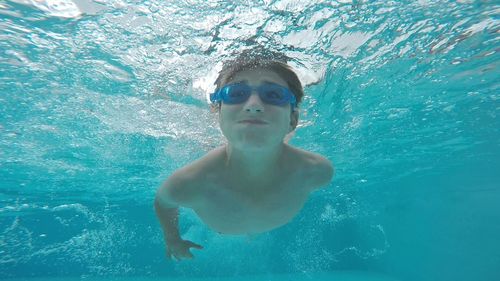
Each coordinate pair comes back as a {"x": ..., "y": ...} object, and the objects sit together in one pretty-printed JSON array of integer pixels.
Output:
[{"x": 277, "y": 120}]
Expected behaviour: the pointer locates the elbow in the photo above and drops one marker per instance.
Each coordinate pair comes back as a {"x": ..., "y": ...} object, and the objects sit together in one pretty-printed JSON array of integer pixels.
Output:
[
  {"x": 331, "y": 172},
  {"x": 328, "y": 175},
  {"x": 156, "y": 202},
  {"x": 163, "y": 199}
]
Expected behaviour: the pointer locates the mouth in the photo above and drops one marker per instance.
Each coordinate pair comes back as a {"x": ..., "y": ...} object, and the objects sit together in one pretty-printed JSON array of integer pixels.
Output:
[{"x": 253, "y": 121}]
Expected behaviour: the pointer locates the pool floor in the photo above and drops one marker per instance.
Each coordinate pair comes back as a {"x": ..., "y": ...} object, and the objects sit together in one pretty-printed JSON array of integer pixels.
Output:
[{"x": 323, "y": 276}]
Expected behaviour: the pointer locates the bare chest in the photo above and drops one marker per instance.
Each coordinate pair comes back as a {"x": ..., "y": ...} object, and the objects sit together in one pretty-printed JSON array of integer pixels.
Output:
[{"x": 239, "y": 208}]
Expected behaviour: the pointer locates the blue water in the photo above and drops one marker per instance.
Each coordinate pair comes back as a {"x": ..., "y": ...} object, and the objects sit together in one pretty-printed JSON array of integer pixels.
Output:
[{"x": 101, "y": 100}]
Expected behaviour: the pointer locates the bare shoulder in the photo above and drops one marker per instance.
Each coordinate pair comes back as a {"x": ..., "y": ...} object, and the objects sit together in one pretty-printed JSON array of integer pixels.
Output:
[
  {"x": 316, "y": 168},
  {"x": 183, "y": 186}
]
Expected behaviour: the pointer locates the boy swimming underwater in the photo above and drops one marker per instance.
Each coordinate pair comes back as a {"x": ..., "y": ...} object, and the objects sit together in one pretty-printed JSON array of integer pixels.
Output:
[{"x": 255, "y": 182}]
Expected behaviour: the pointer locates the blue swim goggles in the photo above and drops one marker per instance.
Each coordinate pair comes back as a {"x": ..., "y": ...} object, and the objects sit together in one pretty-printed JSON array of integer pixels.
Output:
[{"x": 269, "y": 93}]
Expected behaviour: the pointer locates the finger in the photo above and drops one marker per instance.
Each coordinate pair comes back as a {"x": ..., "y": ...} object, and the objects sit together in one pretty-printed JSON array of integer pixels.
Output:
[
  {"x": 194, "y": 245},
  {"x": 171, "y": 256}
]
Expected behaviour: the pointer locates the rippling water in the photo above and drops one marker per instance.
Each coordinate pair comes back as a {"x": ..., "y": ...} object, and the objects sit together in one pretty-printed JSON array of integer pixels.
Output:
[{"x": 102, "y": 100}]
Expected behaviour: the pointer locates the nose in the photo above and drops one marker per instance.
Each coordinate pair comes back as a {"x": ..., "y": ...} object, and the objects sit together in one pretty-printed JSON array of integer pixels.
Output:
[{"x": 254, "y": 103}]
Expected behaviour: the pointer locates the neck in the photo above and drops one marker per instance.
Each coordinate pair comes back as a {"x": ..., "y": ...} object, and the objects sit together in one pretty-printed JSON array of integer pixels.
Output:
[{"x": 253, "y": 164}]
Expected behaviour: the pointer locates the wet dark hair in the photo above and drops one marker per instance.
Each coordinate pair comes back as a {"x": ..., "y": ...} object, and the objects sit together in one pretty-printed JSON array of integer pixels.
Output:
[{"x": 260, "y": 58}]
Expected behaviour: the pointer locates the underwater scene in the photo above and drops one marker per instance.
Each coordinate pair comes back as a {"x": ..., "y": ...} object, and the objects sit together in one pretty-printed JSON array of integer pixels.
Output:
[{"x": 102, "y": 100}]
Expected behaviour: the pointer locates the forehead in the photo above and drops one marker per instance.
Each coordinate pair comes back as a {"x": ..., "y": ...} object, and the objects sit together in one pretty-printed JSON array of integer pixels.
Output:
[{"x": 257, "y": 77}]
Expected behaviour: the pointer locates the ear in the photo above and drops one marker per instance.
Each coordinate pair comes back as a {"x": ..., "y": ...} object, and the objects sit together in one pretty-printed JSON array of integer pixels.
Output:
[
  {"x": 213, "y": 108},
  {"x": 294, "y": 119}
]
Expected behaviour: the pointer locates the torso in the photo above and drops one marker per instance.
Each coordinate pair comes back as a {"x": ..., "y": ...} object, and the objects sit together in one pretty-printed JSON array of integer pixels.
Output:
[{"x": 229, "y": 205}]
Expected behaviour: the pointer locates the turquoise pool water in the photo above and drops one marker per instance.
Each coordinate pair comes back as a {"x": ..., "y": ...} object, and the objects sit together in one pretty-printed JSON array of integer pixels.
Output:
[{"x": 101, "y": 100}]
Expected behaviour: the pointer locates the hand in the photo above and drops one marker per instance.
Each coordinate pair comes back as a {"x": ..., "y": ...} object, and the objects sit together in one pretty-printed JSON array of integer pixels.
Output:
[{"x": 179, "y": 249}]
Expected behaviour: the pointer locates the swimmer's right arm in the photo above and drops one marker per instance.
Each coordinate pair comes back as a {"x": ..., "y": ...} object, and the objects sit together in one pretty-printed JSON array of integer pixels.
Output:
[{"x": 168, "y": 199}]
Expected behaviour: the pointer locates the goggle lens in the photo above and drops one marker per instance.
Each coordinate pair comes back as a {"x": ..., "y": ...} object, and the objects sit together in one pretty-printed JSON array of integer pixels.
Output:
[{"x": 269, "y": 93}]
